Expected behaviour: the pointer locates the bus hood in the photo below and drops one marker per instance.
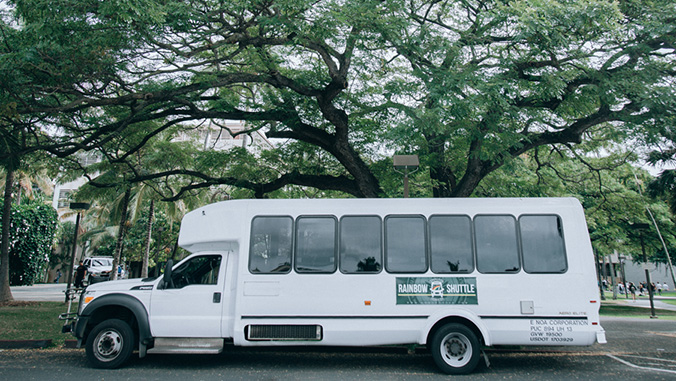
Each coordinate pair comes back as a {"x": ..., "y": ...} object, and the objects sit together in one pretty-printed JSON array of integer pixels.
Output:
[{"x": 122, "y": 285}]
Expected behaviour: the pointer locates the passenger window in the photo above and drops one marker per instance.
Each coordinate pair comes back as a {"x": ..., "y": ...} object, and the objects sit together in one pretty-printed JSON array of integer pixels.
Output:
[
  {"x": 271, "y": 243},
  {"x": 542, "y": 244},
  {"x": 496, "y": 244},
  {"x": 315, "y": 245},
  {"x": 405, "y": 244},
  {"x": 197, "y": 270},
  {"x": 451, "y": 244},
  {"x": 360, "y": 244}
]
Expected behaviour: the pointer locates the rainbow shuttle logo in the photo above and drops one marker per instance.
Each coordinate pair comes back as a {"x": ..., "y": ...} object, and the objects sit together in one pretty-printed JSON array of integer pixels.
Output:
[{"x": 438, "y": 290}]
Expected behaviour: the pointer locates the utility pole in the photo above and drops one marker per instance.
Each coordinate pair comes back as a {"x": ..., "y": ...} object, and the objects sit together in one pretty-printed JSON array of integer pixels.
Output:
[{"x": 79, "y": 207}]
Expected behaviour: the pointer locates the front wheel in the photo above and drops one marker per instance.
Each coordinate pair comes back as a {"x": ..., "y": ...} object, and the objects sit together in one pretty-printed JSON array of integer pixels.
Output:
[
  {"x": 455, "y": 349},
  {"x": 110, "y": 344}
]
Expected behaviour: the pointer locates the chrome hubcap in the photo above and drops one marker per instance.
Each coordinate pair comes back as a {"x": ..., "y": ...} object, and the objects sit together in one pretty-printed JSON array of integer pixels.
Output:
[
  {"x": 108, "y": 345},
  {"x": 456, "y": 349}
]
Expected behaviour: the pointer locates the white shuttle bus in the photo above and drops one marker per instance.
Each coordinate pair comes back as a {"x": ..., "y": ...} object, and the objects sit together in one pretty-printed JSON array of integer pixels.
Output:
[{"x": 450, "y": 274}]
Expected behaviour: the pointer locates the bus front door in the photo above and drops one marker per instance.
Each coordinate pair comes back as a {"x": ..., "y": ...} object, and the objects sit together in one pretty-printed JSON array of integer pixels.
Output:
[{"x": 191, "y": 305}]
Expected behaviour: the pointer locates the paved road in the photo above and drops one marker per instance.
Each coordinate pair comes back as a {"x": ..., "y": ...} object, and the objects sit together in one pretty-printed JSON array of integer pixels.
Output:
[{"x": 637, "y": 349}]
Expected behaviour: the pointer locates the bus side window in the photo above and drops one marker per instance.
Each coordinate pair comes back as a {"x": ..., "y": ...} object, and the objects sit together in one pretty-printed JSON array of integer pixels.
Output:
[
  {"x": 405, "y": 250},
  {"x": 542, "y": 244},
  {"x": 497, "y": 250},
  {"x": 451, "y": 244},
  {"x": 360, "y": 244},
  {"x": 315, "y": 245},
  {"x": 271, "y": 245}
]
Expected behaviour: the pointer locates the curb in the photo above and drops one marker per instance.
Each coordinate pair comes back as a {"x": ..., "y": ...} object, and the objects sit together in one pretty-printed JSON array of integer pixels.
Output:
[
  {"x": 71, "y": 344},
  {"x": 25, "y": 344},
  {"x": 34, "y": 344}
]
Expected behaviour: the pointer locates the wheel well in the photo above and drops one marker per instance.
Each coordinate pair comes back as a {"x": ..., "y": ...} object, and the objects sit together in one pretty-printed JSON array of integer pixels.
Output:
[
  {"x": 457, "y": 320},
  {"x": 112, "y": 312}
]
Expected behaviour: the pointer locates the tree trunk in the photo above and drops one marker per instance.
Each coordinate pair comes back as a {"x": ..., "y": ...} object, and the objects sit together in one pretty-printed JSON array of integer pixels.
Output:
[
  {"x": 5, "y": 291},
  {"x": 120, "y": 235},
  {"x": 144, "y": 269},
  {"x": 442, "y": 176}
]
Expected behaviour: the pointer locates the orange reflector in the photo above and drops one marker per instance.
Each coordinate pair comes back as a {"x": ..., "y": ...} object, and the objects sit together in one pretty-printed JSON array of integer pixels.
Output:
[
  {"x": 367, "y": 302},
  {"x": 88, "y": 299}
]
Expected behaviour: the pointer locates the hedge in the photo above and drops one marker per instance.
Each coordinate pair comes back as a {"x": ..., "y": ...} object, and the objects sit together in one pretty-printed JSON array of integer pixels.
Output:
[{"x": 32, "y": 229}]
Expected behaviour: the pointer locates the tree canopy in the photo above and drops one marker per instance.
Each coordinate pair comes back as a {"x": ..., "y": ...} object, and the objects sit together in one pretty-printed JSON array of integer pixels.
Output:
[{"x": 467, "y": 85}]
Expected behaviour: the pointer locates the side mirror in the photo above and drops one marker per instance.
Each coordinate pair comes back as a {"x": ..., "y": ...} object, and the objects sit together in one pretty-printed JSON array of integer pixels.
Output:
[{"x": 167, "y": 273}]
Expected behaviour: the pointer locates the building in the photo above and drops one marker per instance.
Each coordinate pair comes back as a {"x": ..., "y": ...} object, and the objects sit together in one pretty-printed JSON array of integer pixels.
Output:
[{"x": 617, "y": 267}]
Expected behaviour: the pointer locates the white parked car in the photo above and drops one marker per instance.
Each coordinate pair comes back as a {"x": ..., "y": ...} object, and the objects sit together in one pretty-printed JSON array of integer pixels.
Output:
[{"x": 98, "y": 268}]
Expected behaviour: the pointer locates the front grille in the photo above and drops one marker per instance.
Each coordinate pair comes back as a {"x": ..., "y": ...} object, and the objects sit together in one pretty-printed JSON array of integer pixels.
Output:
[{"x": 283, "y": 332}]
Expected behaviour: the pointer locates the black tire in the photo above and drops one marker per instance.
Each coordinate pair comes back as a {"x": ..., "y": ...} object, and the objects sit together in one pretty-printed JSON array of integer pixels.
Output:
[
  {"x": 455, "y": 349},
  {"x": 110, "y": 344}
]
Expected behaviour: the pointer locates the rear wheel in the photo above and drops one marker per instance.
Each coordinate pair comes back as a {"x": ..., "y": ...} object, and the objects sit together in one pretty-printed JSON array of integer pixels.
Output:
[
  {"x": 110, "y": 344},
  {"x": 455, "y": 349}
]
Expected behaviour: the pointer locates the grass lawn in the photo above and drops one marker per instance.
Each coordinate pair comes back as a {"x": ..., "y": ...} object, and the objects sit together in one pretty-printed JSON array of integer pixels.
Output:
[{"x": 34, "y": 321}]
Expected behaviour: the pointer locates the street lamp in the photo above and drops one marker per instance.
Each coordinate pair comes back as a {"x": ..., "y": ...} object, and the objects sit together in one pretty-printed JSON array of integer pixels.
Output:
[
  {"x": 407, "y": 164},
  {"x": 641, "y": 227},
  {"x": 78, "y": 207}
]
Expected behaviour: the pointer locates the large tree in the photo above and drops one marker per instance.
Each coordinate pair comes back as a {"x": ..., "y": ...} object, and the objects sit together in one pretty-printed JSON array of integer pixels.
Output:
[
  {"x": 492, "y": 80},
  {"x": 468, "y": 85}
]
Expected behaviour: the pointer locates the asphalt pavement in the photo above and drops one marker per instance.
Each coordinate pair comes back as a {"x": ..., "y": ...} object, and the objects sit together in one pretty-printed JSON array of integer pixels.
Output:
[{"x": 637, "y": 349}]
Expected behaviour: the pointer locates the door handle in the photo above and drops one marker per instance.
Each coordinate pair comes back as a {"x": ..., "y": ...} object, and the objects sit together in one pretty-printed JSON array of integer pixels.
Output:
[{"x": 217, "y": 297}]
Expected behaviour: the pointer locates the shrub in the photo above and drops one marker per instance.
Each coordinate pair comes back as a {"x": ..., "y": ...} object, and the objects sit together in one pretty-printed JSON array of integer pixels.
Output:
[{"x": 32, "y": 229}]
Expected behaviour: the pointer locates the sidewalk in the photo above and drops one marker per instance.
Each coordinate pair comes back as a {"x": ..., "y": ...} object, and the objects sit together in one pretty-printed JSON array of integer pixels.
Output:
[
  {"x": 42, "y": 292},
  {"x": 644, "y": 301}
]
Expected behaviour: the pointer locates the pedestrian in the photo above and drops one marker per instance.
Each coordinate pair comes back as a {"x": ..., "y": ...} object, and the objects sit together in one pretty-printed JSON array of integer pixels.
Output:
[
  {"x": 58, "y": 275},
  {"x": 659, "y": 288},
  {"x": 632, "y": 290},
  {"x": 80, "y": 275}
]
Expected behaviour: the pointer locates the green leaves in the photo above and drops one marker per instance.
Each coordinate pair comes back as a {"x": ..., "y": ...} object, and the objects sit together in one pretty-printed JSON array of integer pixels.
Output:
[
  {"x": 558, "y": 23},
  {"x": 32, "y": 230},
  {"x": 467, "y": 86}
]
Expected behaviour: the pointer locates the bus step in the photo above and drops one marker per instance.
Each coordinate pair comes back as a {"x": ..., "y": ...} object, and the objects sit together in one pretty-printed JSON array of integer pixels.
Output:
[{"x": 186, "y": 345}]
